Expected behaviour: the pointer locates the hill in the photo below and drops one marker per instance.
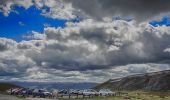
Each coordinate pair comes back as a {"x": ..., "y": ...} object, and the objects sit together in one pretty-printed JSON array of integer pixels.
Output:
[
  {"x": 6, "y": 86},
  {"x": 156, "y": 81},
  {"x": 54, "y": 85}
]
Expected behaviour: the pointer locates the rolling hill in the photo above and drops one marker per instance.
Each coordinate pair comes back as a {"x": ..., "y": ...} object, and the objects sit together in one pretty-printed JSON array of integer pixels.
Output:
[
  {"x": 6, "y": 86},
  {"x": 48, "y": 85},
  {"x": 55, "y": 85},
  {"x": 156, "y": 81}
]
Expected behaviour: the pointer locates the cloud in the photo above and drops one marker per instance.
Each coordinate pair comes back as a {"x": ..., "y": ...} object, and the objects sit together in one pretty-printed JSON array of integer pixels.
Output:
[
  {"x": 6, "y": 6},
  {"x": 91, "y": 45},
  {"x": 50, "y": 8},
  {"x": 80, "y": 51},
  {"x": 35, "y": 35},
  {"x": 21, "y": 23},
  {"x": 97, "y": 45},
  {"x": 6, "y": 44},
  {"x": 59, "y": 10},
  {"x": 137, "y": 9},
  {"x": 140, "y": 10},
  {"x": 95, "y": 48},
  {"x": 14, "y": 64}
]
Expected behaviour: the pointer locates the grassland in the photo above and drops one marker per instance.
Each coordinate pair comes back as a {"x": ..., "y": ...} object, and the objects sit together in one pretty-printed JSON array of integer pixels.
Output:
[
  {"x": 135, "y": 96},
  {"x": 6, "y": 86}
]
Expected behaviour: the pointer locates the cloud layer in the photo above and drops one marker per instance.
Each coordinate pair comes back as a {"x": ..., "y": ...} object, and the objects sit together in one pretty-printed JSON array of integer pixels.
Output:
[
  {"x": 86, "y": 48},
  {"x": 97, "y": 9},
  {"x": 57, "y": 8},
  {"x": 96, "y": 48},
  {"x": 138, "y": 9}
]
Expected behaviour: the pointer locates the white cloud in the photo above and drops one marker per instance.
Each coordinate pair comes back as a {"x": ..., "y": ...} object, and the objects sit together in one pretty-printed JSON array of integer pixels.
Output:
[
  {"x": 86, "y": 50},
  {"x": 6, "y": 5},
  {"x": 35, "y": 36},
  {"x": 95, "y": 49},
  {"x": 57, "y": 8},
  {"x": 167, "y": 50},
  {"x": 21, "y": 23}
]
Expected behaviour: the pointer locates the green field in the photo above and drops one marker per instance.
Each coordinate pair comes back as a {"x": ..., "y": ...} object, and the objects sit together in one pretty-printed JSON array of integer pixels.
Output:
[{"x": 135, "y": 96}]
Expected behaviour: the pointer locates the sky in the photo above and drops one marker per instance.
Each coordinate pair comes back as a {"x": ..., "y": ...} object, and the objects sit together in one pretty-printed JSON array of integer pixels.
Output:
[
  {"x": 23, "y": 21},
  {"x": 82, "y": 41}
]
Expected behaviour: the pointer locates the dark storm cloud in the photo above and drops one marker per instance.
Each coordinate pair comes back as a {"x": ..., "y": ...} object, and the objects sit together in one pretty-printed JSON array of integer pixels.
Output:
[
  {"x": 139, "y": 9},
  {"x": 69, "y": 52},
  {"x": 148, "y": 49},
  {"x": 98, "y": 9},
  {"x": 84, "y": 48}
]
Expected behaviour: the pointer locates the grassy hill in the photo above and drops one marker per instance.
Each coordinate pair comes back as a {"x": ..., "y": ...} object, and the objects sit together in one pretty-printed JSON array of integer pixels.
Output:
[
  {"x": 156, "y": 81},
  {"x": 6, "y": 86}
]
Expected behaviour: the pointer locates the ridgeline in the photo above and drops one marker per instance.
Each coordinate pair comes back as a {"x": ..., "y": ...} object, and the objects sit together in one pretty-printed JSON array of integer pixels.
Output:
[{"x": 156, "y": 81}]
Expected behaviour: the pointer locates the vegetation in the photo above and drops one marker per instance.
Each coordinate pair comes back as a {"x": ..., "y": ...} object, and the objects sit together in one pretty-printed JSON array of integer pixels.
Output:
[
  {"x": 156, "y": 81},
  {"x": 135, "y": 96},
  {"x": 6, "y": 86}
]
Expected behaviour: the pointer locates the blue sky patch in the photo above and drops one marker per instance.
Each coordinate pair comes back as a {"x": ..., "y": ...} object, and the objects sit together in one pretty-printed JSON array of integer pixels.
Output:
[
  {"x": 163, "y": 21},
  {"x": 16, "y": 25},
  {"x": 22, "y": 23}
]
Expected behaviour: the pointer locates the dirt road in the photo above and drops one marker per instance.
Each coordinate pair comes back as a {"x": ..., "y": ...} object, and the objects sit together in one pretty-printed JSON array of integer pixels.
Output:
[
  {"x": 39, "y": 99},
  {"x": 8, "y": 97}
]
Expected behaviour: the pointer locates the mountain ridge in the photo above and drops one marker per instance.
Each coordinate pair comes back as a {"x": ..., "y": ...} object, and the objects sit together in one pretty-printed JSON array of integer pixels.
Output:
[{"x": 155, "y": 81}]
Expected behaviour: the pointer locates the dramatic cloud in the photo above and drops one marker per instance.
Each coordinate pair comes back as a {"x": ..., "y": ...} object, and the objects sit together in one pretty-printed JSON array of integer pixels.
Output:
[
  {"x": 96, "y": 48},
  {"x": 80, "y": 51},
  {"x": 96, "y": 45},
  {"x": 57, "y": 8},
  {"x": 98, "y": 9},
  {"x": 138, "y": 9}
]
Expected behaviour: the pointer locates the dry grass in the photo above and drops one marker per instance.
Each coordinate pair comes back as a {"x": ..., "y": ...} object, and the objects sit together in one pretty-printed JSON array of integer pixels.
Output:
[{"x": 135, "y": 96}]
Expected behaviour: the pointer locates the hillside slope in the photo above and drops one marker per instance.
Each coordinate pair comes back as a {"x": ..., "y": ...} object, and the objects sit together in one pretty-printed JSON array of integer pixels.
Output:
[
  {"x": 6, "y": 86},
  {"x": 156, "y": 81}
]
